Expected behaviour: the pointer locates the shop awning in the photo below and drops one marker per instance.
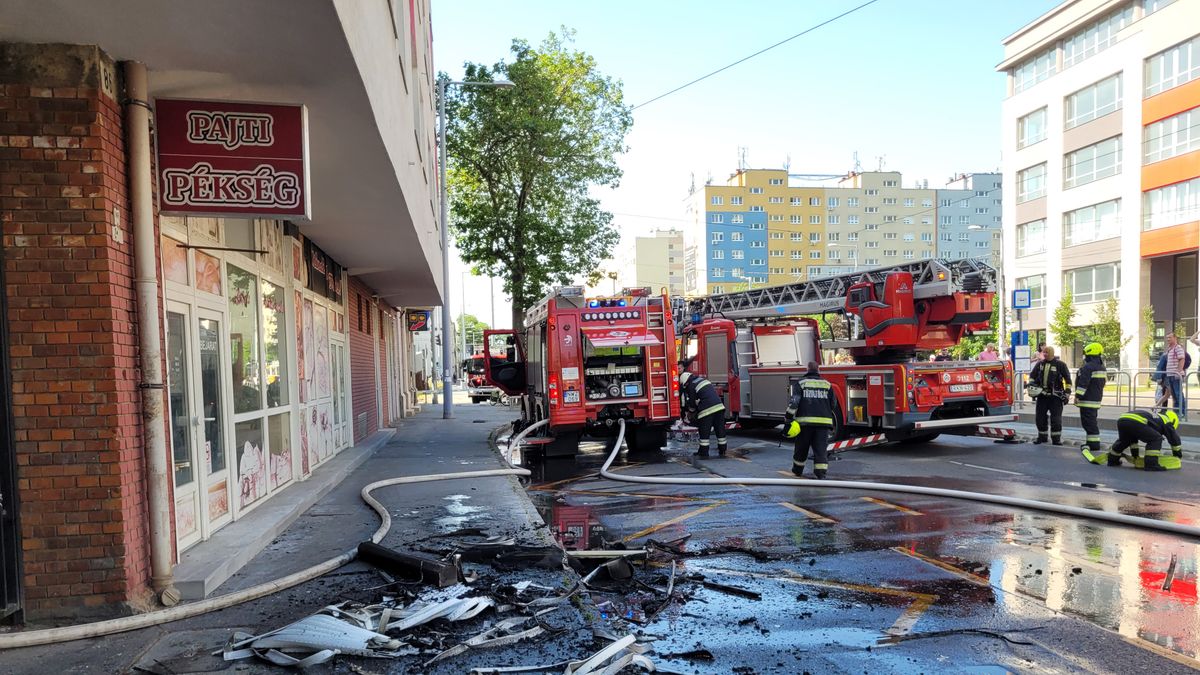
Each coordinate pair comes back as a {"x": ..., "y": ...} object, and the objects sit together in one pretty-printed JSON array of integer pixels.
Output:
[{"x": 629, "y": 336}]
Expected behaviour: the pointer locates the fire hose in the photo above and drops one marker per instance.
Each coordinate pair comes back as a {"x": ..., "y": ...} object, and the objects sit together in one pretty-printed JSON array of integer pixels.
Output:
[{"x": 127, "y": 623}]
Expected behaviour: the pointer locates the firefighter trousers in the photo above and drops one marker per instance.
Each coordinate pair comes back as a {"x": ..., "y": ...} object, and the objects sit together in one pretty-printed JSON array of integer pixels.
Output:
[
  {"x": 1089, "y": 419},
  {"x": 1048, "y": 414},
  {"x": 815, "y": 438},
  {"x": 714, "y": 422},
  {"x": 1129, "y": 433}
]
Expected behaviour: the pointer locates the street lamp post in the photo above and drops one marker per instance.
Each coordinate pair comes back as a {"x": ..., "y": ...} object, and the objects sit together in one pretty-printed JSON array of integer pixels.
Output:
[{"x": 447, "y": 348}]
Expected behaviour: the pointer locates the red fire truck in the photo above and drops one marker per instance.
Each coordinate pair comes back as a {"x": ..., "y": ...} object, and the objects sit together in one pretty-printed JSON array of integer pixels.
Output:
[
  {"x": 475, "y": 371},
  {"x": 753, "y": 344},
  {"x": 587, "y": 363}
]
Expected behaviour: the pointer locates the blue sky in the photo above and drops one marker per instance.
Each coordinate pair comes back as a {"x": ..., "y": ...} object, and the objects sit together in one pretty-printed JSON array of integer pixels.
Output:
[{"x": 911, "y": 81}]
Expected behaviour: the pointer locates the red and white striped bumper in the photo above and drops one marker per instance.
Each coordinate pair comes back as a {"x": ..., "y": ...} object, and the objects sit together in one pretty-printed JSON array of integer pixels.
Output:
[
  {"x": 859, "y": 442},
  {"x": 1003, "y": 433}
]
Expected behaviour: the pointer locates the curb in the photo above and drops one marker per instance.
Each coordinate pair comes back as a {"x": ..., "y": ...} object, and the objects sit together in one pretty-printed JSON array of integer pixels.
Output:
[{"x": 535, "y": 518}]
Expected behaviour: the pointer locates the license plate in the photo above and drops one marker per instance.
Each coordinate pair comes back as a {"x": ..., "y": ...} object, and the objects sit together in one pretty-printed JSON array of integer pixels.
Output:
[
  {"x": 961, "y": 388},
  {"x": 570, "y": 397}
]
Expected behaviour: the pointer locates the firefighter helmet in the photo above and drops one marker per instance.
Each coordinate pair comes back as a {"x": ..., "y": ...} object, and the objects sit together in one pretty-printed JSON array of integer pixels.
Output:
[
  {"x": 1093, "y": 349},
  {"x": 684, "y": 377},
  {"x": 1173, "y": 418},
  {"x": 793, "y": 429}
]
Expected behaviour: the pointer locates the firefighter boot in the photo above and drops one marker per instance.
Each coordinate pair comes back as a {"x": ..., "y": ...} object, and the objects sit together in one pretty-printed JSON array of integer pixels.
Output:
[
  {"x": 819, "y": 470},
  {"x": 703, "y": 451},
  {"x": 722, "y": 448},
  {"x": 1041, "y": 438},
  {"x": 1056, "y": 439}
]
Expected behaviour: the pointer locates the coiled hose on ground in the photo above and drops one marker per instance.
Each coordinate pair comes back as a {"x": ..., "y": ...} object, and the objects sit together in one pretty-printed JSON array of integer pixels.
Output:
[{"x": 127, "y": 623}]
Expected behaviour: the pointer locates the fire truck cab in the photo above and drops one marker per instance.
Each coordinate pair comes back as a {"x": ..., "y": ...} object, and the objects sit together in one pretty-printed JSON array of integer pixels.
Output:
[
  {"x": 587, "y": 363},
  {"x": 475, "y": 372}
]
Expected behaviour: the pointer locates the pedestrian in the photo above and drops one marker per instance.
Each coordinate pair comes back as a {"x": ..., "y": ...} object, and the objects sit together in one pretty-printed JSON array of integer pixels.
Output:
[
  {"x": 1089, "y": 391},
  {"x": 1173, "y": 376},
  {"x": 989, "y": 353},
  {"x": 942, "y": 355},
  {"x": 1147, "y": 427},
  {"x": 809, "y": 419},
  {"x": 1162, "y": 395},
  {"x": 703, "y": 403},
  {"x": 1048, "y": 382}
]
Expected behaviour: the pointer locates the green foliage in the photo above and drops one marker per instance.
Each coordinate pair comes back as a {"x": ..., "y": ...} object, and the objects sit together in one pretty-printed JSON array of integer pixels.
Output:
[
  {"x": 1148, "y": 325},
  {"x": 1062, "y": 332},
  {"x": 472, "y": 328},
  {"x": 970, "y": 346},
  {"x": 1107, "y": 330},
  {"x": 523, "y": 163}
]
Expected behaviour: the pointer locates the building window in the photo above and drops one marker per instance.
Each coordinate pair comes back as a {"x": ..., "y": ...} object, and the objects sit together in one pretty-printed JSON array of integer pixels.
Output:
[
  {"x": 834, "y": 255},
  {"x": 981, "y": 211},
  {"x": 1096, "y": 37},
  {"x": 717, "y": 201},
  {"x": 889, "y": 235},
  {"x": 907, "y": 220},
  {"x": 871, "y": 261},
  {"x": 718, "y": 237},
  {"x": 872, "y": 226},
  {"x": 814, "y": 220},
  {"x": 1031, "y": 237},
  {"x": 718, "y": 272},
  {"x": 777, "y": 235},
  {"x": 852, "y": 254},
  {"x": 716, "y": 217},
  {"x": 718, "y": 289},
  {"x": 756, "y": 191},
  {"x": 758, "y": 244},
  {"x": 814, "y": 254},
  {"x": 1092, "y": 223},
  {"x": 872, "y": 244},
  {"x": 832, "y": 201},
  {"x": 1153, "y": 6},
  {"x": 889, "y": 201},
  {"x": 737, "y": 219},
  {"x": 872, "y": 193},
  {"x": 889, "y": 219},
  {"x": 833, "y": 220},
  {"x": 852, "y": 220},
  {"x": 1096, "y": 100},
  {"x": 833, "y": 236},
  {"x": 1171, "y": 205},
  {"x": 777, "y": 254},
  {"x": 908, "y": 255},
  {"x": 1033, "y": 70},
  {"x": 889, "y": 252},
  {"x": 736, "y": 236},
  {"x": 946, "y": 236},
  {"x": 853, "y": 236},
  {"x": 796, "y": 236},
  {"x": 776, "y": 270},
  {"x": 1031, "y": 183},
  {"x": 758, "y": 226},
  {"x": 851, "y": 201},
  {"x": 944, "y": 203},
  {"x": 890, "y": 183},
  {"x": 981, "y": 244},
  {"x": 814, "y": 201},
  {"x": 1092, "y": 163},
  {"x": 1093, "y": 284},
  {"x": 964, "y": 236},
  {"x": 927, "y": 220},
  {"x": 756, "y": 209},
  {"x": 797, "y": 255},
  {"x": 735, "y": 201},
  {"x": 1173, "y": 136},
  {"x": 964, "y": 220},
  {"x": 925, "y": 236},
  {"x": 796, "y": 201},
  {"x": 927, "y": 202},
  {"x": 814, "y": 237},
  {"x": 774, "y": 200},
  {"x": 776, "y": 218},
  {"x": 775, "y": 181},
  {"x": 909, "y": 202},
  {"x": 718, "y": 255},
  {"x": 737, "y": 255},
  {"x": 1173, "y": 67},
  {"x": 1031, "y": 128},
  {"x": 946, "y": 220},
  {"x": 871, "y": 209}
]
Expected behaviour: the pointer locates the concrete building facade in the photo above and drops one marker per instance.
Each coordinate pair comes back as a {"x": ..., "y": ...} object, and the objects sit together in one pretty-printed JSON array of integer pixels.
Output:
[
  {"x": 1100, "y": 141},
  {"x": 661, "y": 262}
]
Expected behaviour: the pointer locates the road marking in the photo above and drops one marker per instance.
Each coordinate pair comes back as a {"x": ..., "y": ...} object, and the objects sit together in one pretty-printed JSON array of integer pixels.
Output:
[
  {"x": 811, "y": 514},
  {"x": 902, "y": 509},
  {"x": 612, "y": 493},
  {"x": 677, "y": 519},
  {"x": 789, "y": 474},
  {"x": 956, "y": 571},
  {"x": 1163, "y": 651},
  {"x": 987, "y": 468},
  {"x": 547, "y": 486},
  {"x": 740, "y": 459}
]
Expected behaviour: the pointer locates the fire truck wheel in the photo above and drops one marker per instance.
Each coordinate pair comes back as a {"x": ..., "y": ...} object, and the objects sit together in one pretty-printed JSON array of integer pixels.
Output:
[
  {"x": 914, "y": 440},
  {"x": 564, "y": 445},
  {"x": 477, "y": 399},
  {"x": 647, "y": 439}
]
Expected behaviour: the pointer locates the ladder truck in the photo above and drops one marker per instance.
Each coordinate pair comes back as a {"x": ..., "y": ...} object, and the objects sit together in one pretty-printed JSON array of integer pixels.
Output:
[
  {"x": 587, "y": 363},
  {"x": 753, "y": 344}
]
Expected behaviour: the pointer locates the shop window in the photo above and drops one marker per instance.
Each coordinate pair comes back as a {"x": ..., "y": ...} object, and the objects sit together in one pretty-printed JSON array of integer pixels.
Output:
[
  {"x": 279, "y": 439},
  {"x": 174, "y": 261},
  {"x": 240, "y": 234},
  {"x": 208, "y": 273},
  {"x": 275, "y": 362},
  {"x": 207, "y": 229},
  {"x": 270, "y": 239},
  {"x": 251, "y": 461},
  {"x": 243, "y": 340}
]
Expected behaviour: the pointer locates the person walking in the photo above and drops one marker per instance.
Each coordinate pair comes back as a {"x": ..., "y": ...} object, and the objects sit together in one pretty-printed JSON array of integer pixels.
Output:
[
  {"x": 1173, "y": 376},
  {"x": 989, "y": 353},
  {"x": 809, "y": 419},
  {"x": 1147, "y": 427},
  {"x": 701, "y": 400},
  {"x": 1048, "y": 382},
  {"x": 1089, "y": 391}
]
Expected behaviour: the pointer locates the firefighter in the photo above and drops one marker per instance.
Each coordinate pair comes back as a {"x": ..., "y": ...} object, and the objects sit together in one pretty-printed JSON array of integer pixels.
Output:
[
  {"x": 701, "y": 400},
  {"x": 1089, "y": 390},
  {"x": 1048, "y": 382},
  {"x": 809, "y": 419},
  {"x": 1149, "y": 428}
]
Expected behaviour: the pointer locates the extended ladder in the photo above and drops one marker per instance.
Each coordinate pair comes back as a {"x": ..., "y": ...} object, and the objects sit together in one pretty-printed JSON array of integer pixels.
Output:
[{"x": 660, "y": 371}]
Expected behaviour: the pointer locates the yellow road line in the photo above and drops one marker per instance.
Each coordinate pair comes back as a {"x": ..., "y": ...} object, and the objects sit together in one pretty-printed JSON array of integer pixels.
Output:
[
  {"x": 677, "y": 519},
  {"x": 902, "y": 509},
  {"x": 789, "y": 474},
  {"x": 811, "y": 514},
  {"x": 547, "y": 486},
  {"x": 612, "y": 493},
  {"x": 740, "y": 459},
  {"x": 956, "y": 571},
  {"x": 904, "y": 624}
]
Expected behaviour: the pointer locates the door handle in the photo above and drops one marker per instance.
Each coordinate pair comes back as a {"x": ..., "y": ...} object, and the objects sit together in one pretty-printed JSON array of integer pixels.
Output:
[{"x": 196, "y": 420}]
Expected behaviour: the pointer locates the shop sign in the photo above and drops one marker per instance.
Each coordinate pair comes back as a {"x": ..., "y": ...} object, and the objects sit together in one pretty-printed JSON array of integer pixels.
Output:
[
  {"x": 232, "y": 159},
  {"x": 324, "y": 275},
  {"x": 418, "y": 320}
]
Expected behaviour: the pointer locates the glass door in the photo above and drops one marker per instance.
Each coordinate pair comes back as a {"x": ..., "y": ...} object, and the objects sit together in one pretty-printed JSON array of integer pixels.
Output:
[
  {"x": 180, "y": 402},
  {"x": 211, "y": 433},
  {"x": 338, "y": 354}
]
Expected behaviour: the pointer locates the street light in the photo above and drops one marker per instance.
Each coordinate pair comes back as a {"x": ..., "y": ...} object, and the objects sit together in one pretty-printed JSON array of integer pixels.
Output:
[{"x": 447, "y": 348}]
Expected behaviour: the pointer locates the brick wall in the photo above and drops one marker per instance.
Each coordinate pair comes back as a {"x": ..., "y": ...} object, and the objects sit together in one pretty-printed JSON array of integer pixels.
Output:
[
  {"x": 362, "y": 360},
  {"x": 73, "y": 343}
]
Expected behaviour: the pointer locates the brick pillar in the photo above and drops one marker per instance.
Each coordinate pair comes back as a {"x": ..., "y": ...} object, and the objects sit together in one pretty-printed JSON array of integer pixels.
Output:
[{"x": 73, "y": 329}]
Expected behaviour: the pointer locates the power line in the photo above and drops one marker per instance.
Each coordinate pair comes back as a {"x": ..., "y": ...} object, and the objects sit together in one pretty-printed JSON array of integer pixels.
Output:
[{"x": 757, "y": 53}]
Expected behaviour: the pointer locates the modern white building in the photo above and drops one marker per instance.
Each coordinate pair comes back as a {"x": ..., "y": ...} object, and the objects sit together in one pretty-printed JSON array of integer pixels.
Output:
[{"x": 1101, "y": 143}]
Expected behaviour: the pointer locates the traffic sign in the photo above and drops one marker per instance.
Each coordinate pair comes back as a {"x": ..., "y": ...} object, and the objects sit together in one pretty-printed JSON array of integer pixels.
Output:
[{"x": 1022, "y": 298}]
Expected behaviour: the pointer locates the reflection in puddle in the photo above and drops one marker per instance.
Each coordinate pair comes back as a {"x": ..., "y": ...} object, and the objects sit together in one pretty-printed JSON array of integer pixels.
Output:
[{"x": 460, "y": 513}]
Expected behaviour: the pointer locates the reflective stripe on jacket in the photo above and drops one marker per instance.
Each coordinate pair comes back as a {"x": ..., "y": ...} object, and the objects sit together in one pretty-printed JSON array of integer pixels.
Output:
[
  {"x": 700, "y": 396},
  {"x": 811, "y": 402},
  {"x": 1089, "y": 382},
  {"x": 1158, "y": 423}
]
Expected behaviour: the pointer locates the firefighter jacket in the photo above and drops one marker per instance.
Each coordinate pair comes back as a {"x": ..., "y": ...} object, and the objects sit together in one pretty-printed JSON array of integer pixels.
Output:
[
  {"x": 700, "y": 396},
  {"x": 1049, "y": 378},
  {"x": 1089, "y": 382},
  {"x": 1158, "y": 423},
  {"x": 811, "y": 402}
]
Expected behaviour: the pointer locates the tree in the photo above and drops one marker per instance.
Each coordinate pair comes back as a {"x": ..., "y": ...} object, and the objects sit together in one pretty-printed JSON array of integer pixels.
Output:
[
  {"x": 523, "y": 163},
  {"x": 469, "y": 326},
  {"x": 1107, "y": 330},
  {"x": 1062, "y": 332},
  {"x": 970, "y": 346},
  {"x": 1148, "y": 339}
]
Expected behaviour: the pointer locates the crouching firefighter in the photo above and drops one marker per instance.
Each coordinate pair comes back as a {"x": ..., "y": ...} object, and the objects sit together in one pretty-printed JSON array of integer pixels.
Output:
[
  {"x": 1149, "y": 428},
  {"x": 1089, "y": 390},
  {"x": 701, "y": 400},
  {"x": 809, "y": 419}
]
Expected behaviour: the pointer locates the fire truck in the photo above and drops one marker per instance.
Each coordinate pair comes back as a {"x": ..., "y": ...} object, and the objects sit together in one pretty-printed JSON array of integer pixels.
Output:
[
  {"x": 753, "y": 344},
  {"x": 587, "y": 363},
  {"x": 475, "y": 370}
]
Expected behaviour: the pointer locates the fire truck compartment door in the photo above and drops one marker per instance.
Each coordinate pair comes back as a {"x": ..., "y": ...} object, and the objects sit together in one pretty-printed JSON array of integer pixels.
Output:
[{"x": 629, "y": 336}]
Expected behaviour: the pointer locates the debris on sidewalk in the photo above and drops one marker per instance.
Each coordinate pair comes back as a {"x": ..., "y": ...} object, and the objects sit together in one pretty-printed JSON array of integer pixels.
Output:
[
  {"x": 612, "y": 659},
  {"x": 410, "y": 565},
  {"x": 313, "y": 640}
]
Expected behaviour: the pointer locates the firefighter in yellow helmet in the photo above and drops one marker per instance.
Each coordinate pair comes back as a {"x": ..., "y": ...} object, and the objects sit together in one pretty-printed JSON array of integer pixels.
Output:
[
  {"x": 809, "y": 420},
  {"x": 1149, "y": 428},
  {"x": 1089, "y": 391}
]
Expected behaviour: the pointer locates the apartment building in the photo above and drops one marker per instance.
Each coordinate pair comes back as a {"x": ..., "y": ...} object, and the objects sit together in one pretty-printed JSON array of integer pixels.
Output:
[
  {"x": 661, "y": 261},
  {"x": 1101, "y": 136},
  {"x": 874, "y": 220},
  {"x": 968, "y": 217}
]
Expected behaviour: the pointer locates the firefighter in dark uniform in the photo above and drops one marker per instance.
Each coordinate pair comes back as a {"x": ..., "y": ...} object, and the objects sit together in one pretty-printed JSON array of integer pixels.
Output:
[
  {"x": 809, "y": 420},
  {"x": 1149, "y": 428},
  {"x": 1048, "y": 382},
  {"x": 700, "y": 398},
  {"x": 1089, "y": 391}
]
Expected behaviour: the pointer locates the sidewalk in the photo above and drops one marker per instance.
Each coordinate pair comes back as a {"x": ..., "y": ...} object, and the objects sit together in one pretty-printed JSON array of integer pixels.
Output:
[{"x": 1108, "y": 418}]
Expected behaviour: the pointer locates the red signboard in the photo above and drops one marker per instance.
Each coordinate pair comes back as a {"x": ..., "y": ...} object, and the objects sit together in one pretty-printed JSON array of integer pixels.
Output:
[{"x": 232, "y": 159}]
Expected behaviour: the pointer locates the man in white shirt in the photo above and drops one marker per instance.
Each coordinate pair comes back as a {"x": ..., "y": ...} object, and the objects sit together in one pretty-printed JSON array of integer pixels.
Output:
[{"x": 1173, "y": 377}]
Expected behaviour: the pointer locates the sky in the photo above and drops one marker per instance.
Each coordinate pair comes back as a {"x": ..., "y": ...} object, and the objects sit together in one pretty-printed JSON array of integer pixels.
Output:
[{"x": 908, "y": 85}]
